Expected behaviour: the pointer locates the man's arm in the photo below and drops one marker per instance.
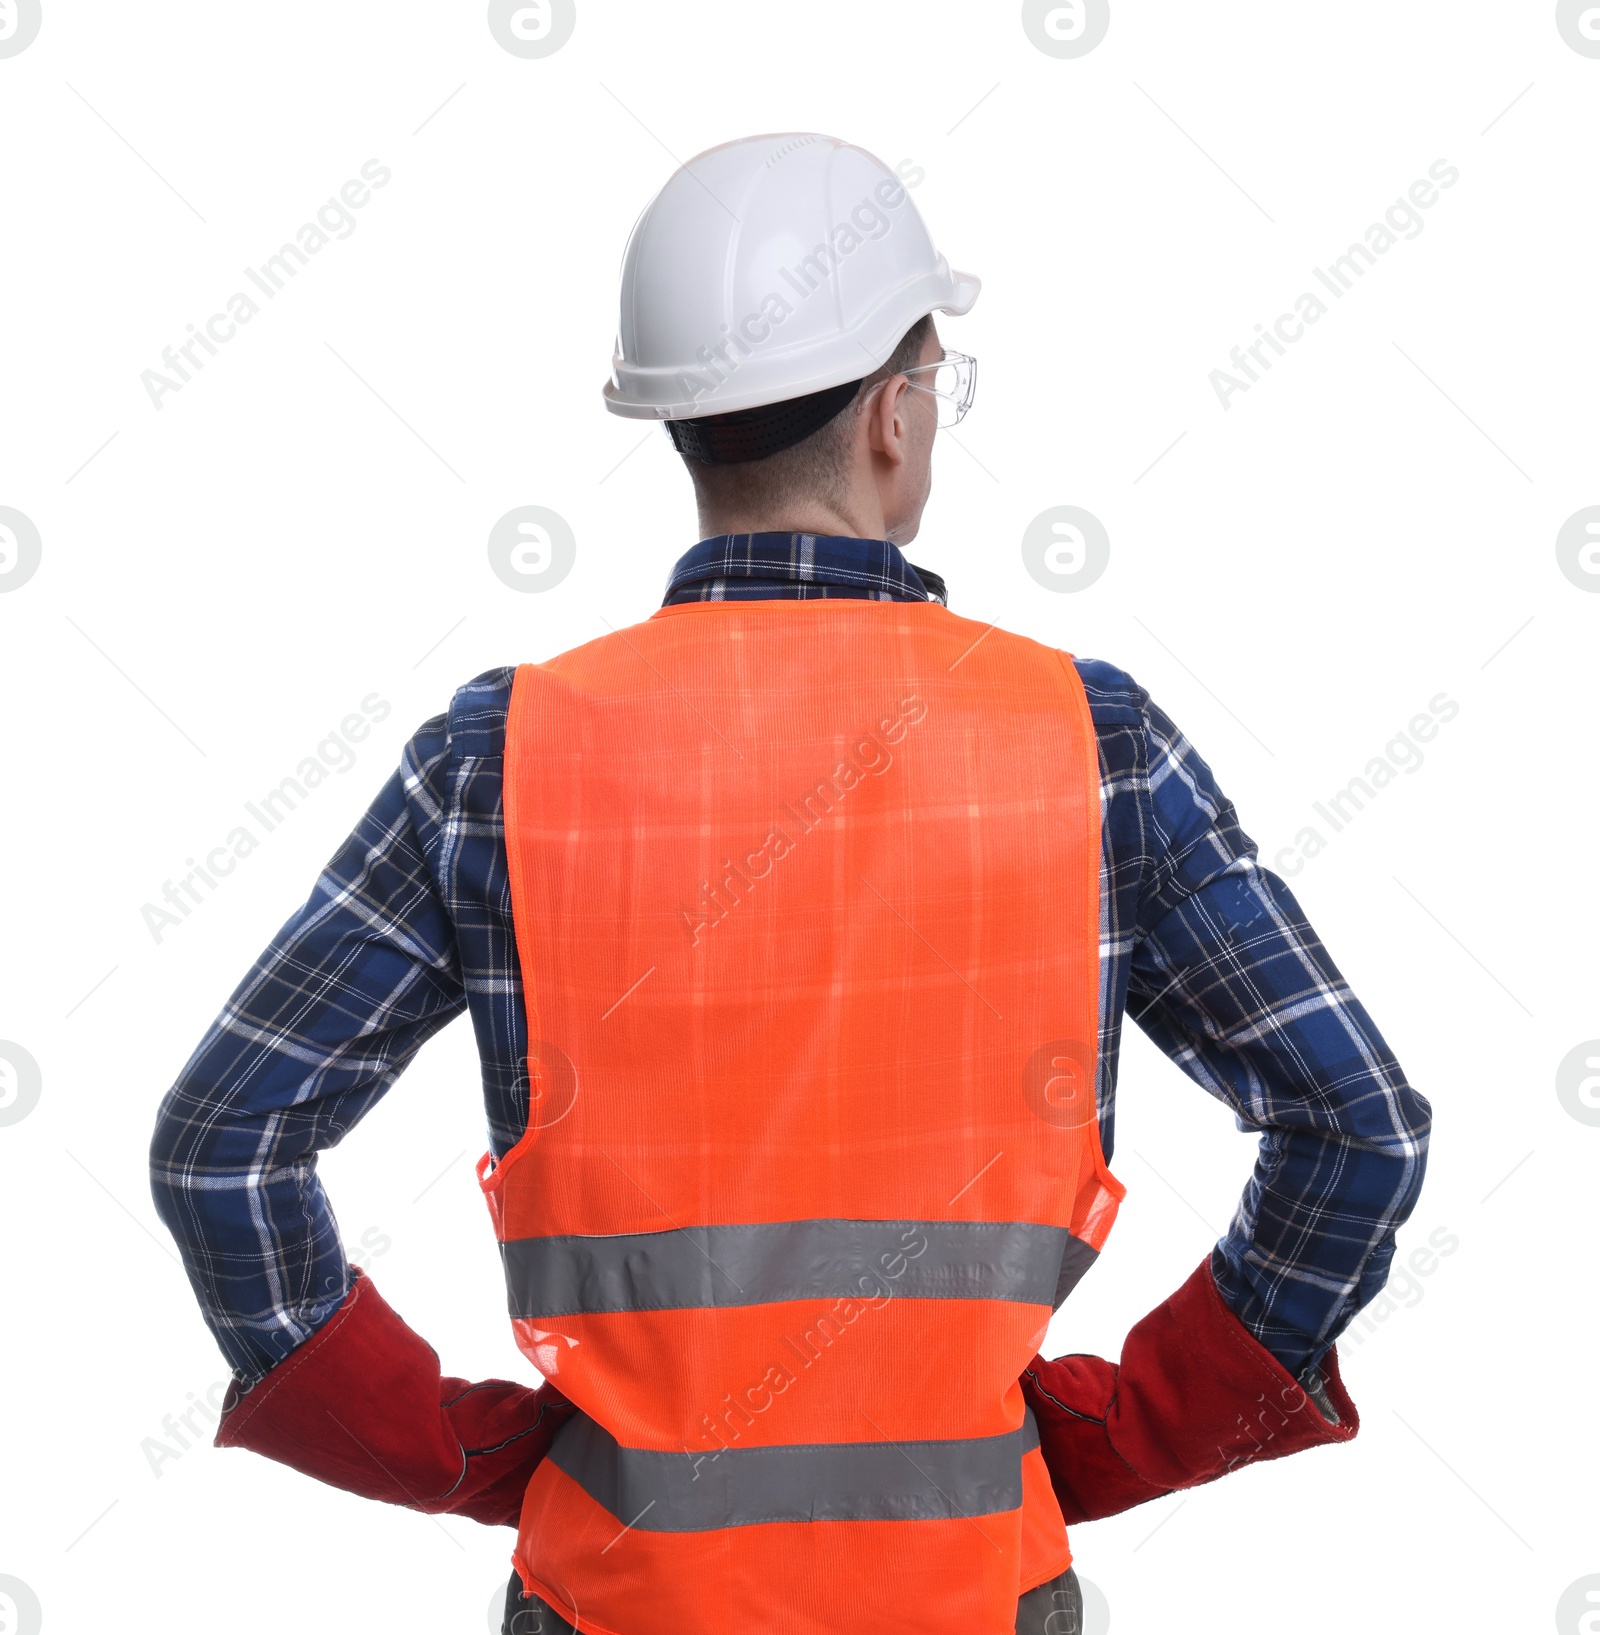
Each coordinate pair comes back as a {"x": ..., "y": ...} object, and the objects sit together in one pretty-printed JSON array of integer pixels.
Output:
[
  {"x": 1230, "y": 980},
  {"x": 341, "y": 1000},
  {"x": 328, "y": 1378}
]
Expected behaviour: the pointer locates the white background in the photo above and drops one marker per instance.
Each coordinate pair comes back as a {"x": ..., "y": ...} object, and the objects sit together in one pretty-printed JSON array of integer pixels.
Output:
[{"x": 1372, "y": 524}]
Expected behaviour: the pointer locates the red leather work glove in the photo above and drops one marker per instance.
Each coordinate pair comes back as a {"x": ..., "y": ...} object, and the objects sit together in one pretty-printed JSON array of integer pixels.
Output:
[
  {"x": 362, "y": 1406},
  {"x": 1194, "y": 1397}
]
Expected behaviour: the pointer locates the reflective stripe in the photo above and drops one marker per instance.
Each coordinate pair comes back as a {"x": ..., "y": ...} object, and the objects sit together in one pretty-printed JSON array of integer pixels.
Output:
[
  {"x": 753, "y": 1265},
  {"x": 835, "y": 1481},
  {"x": 1076, "y": 1258}
]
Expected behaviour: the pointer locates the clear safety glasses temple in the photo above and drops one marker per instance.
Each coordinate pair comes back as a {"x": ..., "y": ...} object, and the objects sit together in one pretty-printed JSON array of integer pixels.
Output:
[{"x": 954, "y": 381}]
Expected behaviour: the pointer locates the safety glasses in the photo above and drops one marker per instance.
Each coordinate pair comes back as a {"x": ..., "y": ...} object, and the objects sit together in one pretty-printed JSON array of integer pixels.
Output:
[{"x": 951, "y": 383}]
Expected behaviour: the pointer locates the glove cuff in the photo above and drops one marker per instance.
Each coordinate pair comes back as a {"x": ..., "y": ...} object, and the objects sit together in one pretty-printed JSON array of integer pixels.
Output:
[
  {"x": 362, "y": 1406},
  {"x": 1198, "y": 1395},
  {"x": 356, "y": 1406}
]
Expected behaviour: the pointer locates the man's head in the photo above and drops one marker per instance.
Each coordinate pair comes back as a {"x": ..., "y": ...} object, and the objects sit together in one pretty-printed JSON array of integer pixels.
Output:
[
  {"x": 867, "y": 472},
  {"x": 767, "y": 277}
]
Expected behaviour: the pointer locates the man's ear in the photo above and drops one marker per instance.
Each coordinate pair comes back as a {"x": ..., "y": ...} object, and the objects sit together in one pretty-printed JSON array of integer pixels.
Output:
[{"x": 888, "y": 431}]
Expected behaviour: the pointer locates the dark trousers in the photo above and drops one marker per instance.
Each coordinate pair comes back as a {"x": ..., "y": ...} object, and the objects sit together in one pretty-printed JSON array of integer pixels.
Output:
[{"x": 1055, "y": 1608}]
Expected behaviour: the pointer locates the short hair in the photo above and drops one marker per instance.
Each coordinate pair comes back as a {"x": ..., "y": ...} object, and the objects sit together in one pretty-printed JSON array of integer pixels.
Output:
[{"x": 813, "y": 468}]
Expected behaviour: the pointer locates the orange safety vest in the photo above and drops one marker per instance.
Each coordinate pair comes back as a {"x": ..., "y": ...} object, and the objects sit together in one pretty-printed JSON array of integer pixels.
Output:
[{"x": 807, "y": 908}]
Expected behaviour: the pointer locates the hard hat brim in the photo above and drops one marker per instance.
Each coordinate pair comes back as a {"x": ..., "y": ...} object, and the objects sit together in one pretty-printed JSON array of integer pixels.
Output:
[
  {"x": 629, "y": 393},
  {"x": 967, "y": 286}
]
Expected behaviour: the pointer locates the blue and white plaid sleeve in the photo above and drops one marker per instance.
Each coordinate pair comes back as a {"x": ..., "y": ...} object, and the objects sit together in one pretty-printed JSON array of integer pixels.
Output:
[
  {"x": 324, "y": 1023},
  {"x": 1229, "y": 979}
]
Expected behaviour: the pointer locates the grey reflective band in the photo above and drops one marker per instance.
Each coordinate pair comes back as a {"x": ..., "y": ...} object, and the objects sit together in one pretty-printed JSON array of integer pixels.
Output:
[
  {"x": 1076, "y": 1259},
  {"x": 753, "y": 1265},
  {"x": 834, "y": 1481}
]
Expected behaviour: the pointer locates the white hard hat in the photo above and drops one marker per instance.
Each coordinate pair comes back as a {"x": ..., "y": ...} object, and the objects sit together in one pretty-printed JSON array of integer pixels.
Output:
[{"x": 768, "y": 269}]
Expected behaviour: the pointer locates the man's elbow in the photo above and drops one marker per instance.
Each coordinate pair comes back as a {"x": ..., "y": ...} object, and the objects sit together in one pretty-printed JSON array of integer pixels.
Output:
[
  {"x": 1417, "y": 1119},
  {"x": 171, "y": 1157}
]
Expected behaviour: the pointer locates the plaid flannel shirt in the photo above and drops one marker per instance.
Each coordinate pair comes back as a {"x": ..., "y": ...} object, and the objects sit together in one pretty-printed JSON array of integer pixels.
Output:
[{"x": 410, "y": 924}]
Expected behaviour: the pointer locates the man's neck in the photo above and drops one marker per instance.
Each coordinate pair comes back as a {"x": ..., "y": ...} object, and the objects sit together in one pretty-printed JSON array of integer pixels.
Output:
[{"x": 807, "y": 517}]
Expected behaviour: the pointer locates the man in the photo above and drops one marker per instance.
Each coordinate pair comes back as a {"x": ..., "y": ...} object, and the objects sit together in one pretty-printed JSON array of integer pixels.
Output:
[{"x": 796, "y": 924}]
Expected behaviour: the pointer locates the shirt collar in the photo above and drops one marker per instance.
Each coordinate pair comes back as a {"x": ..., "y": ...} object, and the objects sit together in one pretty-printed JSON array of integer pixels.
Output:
[{"x": 873, "y": 569}]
